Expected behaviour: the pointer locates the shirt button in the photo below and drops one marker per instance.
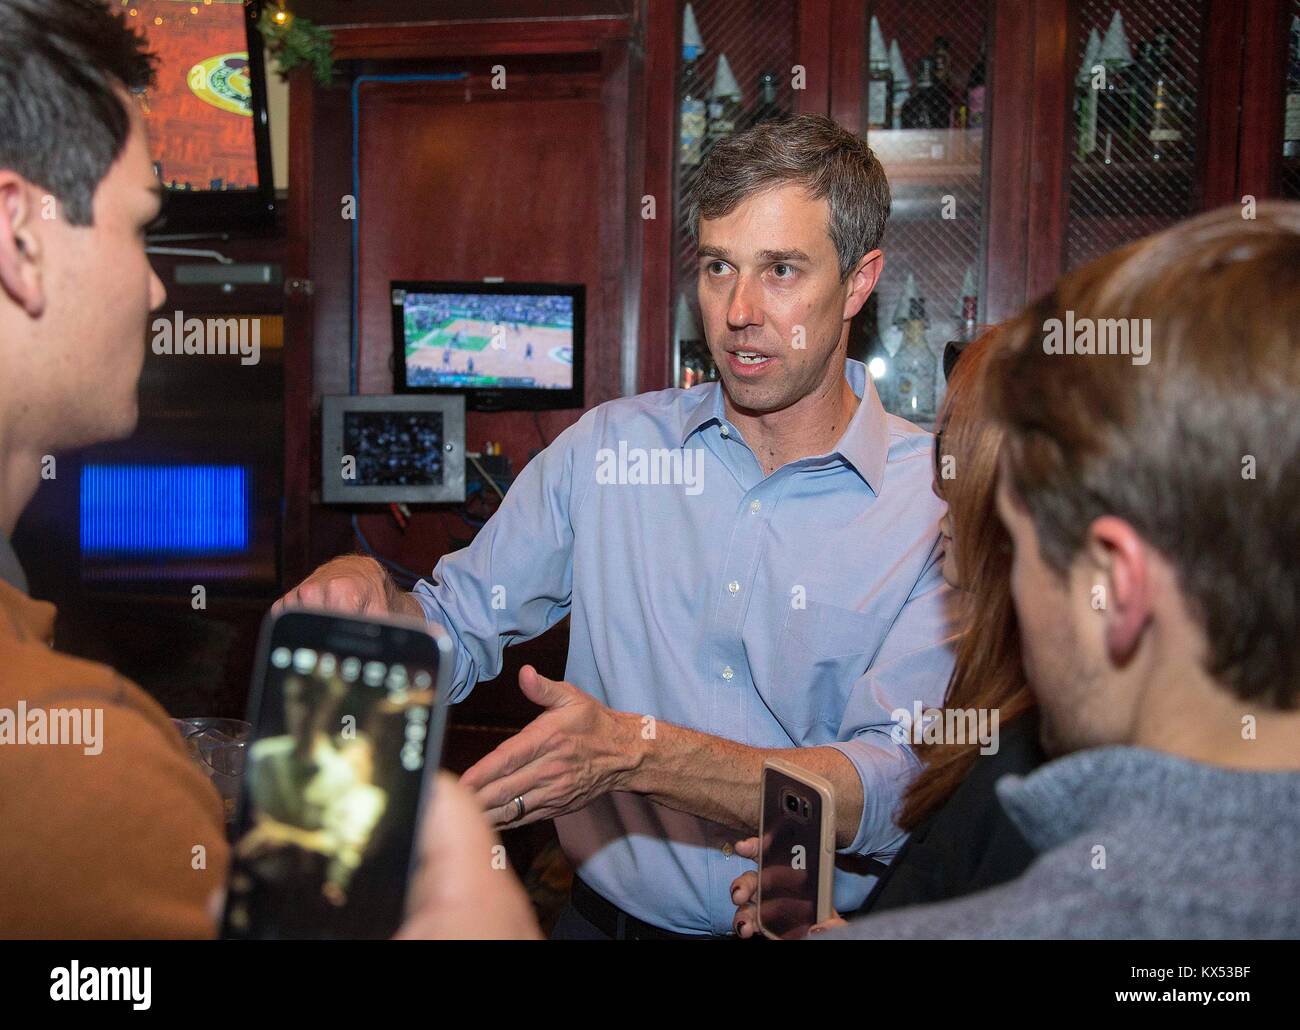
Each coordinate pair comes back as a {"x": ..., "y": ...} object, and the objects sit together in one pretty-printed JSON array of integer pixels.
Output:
[
  {"x": 727, "y": 672},
  {"x": 725, "y": 431},
  {"x": 728, "y": 850},
  {"x": 754, "y": 506},
  {"x": 733, "y": 587}
]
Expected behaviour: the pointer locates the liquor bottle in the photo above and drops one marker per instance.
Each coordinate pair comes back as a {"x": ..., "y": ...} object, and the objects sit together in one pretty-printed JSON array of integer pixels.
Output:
[
  {"x": 902, "y": 82},
  {"x": 1115, "y": 128},
  {"x": 975, "y": 94},
  {"x": 1165, "y": 133},
  {"x": 969, "y": 310},
  {"x": 867, "y": 346},
  {"x": 724, "y": 105},
  {"x": 915, "y": 368},
  {"x": 1085, "y": 103},
  {"x": 694, "y": 115},
  {"x": 942, "y": 75},
  {"x": 929, "y": 106},
  {"x": 767, "y": 108},
  {"x": 880, "y": 81},
  {"x": 1291, "y": 124}
]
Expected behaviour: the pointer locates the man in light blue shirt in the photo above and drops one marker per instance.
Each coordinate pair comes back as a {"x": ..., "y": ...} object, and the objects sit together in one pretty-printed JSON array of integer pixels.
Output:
[{"x": 751, "y": 568}]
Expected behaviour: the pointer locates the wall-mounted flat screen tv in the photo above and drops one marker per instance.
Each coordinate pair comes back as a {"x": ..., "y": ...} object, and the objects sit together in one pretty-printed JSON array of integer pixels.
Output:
[
  {"x": 206, "y": 114},
  {"x": 502, "y": 345}
]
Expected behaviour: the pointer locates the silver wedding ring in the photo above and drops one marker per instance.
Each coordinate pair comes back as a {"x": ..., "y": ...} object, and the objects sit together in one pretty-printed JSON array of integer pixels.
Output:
[{"x": 519, "y": 809}]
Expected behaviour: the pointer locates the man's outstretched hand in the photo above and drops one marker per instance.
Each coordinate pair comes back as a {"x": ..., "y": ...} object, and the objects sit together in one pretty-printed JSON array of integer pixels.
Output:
[
  {"x": 574, "y": 752},
  {"x": 351, "y": 585}
]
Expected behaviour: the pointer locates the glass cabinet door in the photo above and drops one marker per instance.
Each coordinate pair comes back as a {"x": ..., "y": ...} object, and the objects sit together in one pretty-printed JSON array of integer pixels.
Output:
[
  {"x": 1291, "y": 110},
  {"x": 736, "y": 67},
  {"x": 1134, "y": 148},
  {"x": 924, "y": 110}
]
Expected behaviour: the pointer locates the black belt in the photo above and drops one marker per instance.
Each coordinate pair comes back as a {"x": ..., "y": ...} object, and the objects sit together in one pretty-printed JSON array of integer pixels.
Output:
[{"x": 614, "y": 922}]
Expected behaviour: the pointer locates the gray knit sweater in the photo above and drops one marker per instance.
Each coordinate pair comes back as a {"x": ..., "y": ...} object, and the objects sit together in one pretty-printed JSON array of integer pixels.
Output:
[{"x": 1132, "y": 843}]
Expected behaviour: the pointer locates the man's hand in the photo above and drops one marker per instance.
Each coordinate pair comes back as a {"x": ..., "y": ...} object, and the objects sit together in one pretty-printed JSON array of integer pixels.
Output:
[
  {"x": 351, "y": 585},
  {"x": 744, "y": 895},
  {"x": 464, "y": 889},
  {"x": 571, "y": 754}
]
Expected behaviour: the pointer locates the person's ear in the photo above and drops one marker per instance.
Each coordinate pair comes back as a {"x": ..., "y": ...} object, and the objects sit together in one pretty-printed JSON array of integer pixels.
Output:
[
  {"x": 1121, "y": 591},
  {"x": 20, "y": 245},
  {"x": 862, "y": 280}
]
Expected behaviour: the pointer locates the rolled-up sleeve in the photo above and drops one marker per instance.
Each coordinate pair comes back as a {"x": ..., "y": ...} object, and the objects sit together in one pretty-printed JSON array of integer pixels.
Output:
[
  {"x": 913, "y": 664},
  {"x": 515, "y": 580}
]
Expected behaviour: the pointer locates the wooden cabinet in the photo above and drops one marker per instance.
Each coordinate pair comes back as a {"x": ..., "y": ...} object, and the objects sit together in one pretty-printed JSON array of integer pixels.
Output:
[{"x": 1054, "y": 152}]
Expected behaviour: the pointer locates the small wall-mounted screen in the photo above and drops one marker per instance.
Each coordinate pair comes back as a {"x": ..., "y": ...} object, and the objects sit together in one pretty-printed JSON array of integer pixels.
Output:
[
  {"x": 394, "y": 448},
  {"x": 377, "y": 449}
]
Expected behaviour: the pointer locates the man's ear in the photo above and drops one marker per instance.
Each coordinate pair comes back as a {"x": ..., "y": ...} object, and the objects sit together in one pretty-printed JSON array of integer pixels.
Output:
[
  {"x": 20, "y": 244},
  {"x": 1117, "y": 555},
  {"x": 862, "y": 280}
]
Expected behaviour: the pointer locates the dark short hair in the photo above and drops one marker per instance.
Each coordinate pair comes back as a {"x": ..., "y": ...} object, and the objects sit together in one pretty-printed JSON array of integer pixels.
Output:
[
  {"x": 810, "y": 150},
  {"x": 62, "y": 123},
  {"x": 1198, "y": 449}
]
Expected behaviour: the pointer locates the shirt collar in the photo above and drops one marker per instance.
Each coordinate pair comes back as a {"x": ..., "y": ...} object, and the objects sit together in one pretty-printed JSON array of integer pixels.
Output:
[
  {"x": 1100, "y": 787},
  {"x": 864, "y": 445},
  {"x": 10, "y": 571}
]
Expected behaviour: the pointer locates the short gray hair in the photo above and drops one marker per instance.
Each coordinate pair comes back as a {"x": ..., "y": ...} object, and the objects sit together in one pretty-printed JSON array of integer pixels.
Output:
[{"x": 810, "y": 150}]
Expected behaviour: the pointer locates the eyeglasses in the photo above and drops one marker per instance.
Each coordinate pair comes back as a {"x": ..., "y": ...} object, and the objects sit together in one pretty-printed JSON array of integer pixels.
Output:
[{"x": 938, "y": 455}]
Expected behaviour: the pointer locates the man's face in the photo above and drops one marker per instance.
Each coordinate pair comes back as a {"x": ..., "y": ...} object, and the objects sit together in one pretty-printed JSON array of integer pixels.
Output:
[
  {"x": 1063, "y": 642},
  {"x": 773, "y": 304},
  {"x": 98, "y": 289}
]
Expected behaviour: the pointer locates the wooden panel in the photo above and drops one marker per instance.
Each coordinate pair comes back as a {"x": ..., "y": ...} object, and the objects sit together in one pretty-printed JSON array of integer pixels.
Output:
[
  {"x": 1263, "y": 92},
  {"x": 661, "y": 48},
  {"x": 460, "y": 39},
  {"x": 1222, "y": 67},
  {"x": 813, "y": 51},
  {"x": 387, "y": 12},
  {"x": 848, "y": 30},
  {"x": 1010, "y": 110},
  {"x": 1049, "y": 134}
]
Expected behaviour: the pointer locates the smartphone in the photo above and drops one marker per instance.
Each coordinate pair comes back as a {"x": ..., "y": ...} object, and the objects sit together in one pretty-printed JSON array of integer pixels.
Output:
[
  {"x": 796, "y": 831},
  {"x": 347, "y": 718}
]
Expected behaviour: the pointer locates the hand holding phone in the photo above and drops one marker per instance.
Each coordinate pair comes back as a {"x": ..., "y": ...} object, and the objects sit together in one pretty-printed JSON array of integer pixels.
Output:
[
  {"x": 796, "y": 836},
  {"x": 347, "y": 718}
]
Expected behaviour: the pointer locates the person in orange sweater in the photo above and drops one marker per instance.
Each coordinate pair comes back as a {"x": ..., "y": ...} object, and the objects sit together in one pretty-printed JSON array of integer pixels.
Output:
[{"x": 106, "y": 828}]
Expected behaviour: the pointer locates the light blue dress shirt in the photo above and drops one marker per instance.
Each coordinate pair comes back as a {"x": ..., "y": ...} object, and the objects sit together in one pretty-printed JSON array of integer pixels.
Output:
[{"x": 793, "y": 610}]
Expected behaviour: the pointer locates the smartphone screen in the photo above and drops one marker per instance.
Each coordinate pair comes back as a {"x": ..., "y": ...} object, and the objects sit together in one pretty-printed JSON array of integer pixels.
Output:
[
  {"x": 790, "y": 865},
  {"x": 346, "y": 720}
]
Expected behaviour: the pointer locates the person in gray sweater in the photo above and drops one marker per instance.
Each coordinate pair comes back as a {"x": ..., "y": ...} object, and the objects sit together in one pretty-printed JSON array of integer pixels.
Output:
[{"x": 1149, "y": 484}]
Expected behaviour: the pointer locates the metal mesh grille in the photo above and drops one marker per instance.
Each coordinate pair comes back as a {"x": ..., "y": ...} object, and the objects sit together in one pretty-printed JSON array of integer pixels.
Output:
[
  {"x": 757, "y": 38},
  {"x": 1133, "y": 139},
  {"x": 1291, "y": 126},
  {"x": 930, "y": 140}
]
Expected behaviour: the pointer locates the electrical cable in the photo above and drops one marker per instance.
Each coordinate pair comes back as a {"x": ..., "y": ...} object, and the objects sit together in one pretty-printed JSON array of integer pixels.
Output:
[{"x": 392, "y": 566}]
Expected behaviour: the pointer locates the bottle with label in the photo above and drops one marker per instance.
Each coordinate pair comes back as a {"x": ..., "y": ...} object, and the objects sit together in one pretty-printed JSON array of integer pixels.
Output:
[
  {"x": 1291, "y": 124},
  {"x": 975, "y": 93},
  {"x": 880, "y": 81},
  {"x": 694, "y": 117},
  {"x": 929, "y": 107},
  {"x": 1085, "y": 99},
  {"x": 767, "y": 108},
  {"x": 1165, "y": 132},
  {"x": 915, "y": 368},
  {"x": 724, "y": 104},
  {"x": 902, "y": 82},
  {"x": 942, "y": 74},
  {"x": 1115, "y": 128}
]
